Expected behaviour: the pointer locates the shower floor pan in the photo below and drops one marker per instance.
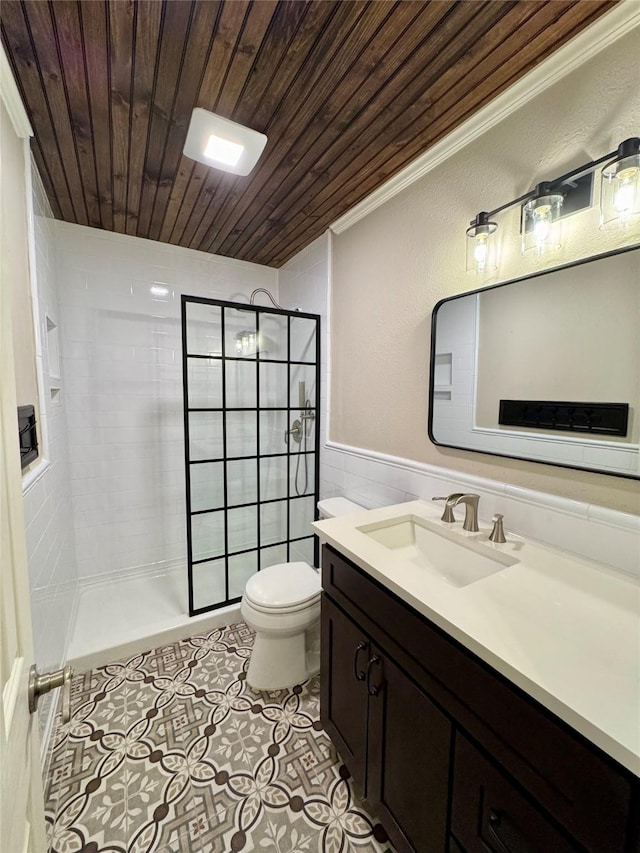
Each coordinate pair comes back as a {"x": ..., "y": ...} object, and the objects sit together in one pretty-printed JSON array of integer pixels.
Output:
[{"x": 118, "y": 617}]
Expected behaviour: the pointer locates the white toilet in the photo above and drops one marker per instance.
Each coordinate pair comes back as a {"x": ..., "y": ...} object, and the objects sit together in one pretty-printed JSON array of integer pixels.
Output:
[{"x": 282, "y": 605}]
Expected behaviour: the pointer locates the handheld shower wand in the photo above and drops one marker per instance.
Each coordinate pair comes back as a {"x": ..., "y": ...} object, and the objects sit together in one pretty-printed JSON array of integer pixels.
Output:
[{"x": 306, "y": 415}]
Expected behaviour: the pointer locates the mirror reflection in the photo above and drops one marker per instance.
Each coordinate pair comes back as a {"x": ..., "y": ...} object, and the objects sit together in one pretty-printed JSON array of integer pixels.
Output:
[{"x": 522, "y": 369}]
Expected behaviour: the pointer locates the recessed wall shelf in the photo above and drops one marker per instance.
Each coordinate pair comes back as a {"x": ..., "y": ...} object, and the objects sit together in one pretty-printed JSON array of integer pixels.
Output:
[
  {"x": 443, "y": 376},
  {"x": 442, "y": 393},
  {"x": 442, "y": 370},
  {"x": 53, "y": 349}
]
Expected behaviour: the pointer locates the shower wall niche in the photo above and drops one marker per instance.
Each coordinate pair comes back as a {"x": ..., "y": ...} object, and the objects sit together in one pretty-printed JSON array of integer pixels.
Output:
[{"x": 249, "y": 374}]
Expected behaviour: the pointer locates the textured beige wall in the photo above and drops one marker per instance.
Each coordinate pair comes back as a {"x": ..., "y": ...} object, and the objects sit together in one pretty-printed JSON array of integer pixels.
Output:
[
  {"x": 573, "y": 335},
  {"x": 391, "y": 268},
  {"x": 14, "y": 270}
]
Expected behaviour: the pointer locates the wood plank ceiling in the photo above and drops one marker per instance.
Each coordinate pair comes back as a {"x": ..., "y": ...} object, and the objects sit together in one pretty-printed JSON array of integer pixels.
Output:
[{"x": 348, "y": 92}]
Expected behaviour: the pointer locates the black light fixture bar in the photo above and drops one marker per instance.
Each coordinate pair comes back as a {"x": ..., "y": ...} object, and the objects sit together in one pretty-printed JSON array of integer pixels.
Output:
[
  {"x": 626, "y": 148},
  {"x": 549, "y": 201}
]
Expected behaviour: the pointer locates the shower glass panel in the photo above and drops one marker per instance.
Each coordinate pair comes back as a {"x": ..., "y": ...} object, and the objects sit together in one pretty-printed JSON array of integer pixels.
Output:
[{"x": 251, "y": 383}]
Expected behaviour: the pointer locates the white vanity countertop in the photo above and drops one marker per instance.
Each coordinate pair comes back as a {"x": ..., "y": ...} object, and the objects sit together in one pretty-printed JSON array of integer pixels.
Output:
[{"x": 564, "y": 630}]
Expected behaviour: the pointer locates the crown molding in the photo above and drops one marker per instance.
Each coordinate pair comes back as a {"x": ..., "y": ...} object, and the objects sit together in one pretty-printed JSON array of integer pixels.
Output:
[
  {"x": 12, "y": 100},
  {"x": 591, "y": 41}
]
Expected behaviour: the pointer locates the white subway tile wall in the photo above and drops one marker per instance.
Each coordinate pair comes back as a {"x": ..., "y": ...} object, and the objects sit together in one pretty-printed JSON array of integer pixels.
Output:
[
  {"x": 304, "y": 284},
  {"x": 53, "y": 577},
  {"x": 121, "y": 349}
]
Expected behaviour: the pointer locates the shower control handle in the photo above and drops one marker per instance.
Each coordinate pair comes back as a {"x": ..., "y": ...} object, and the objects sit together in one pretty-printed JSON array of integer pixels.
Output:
[{"x": 295, "y": 431}]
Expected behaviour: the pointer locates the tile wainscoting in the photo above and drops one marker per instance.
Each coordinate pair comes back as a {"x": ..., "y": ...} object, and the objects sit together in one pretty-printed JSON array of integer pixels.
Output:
[{"x": 596, "y": 533}]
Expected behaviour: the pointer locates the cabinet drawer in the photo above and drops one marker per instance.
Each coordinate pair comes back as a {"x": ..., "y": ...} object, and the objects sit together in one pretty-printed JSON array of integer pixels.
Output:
[
  {"x": 574, "y": 782},
  {"x": 489, "y": 813}
]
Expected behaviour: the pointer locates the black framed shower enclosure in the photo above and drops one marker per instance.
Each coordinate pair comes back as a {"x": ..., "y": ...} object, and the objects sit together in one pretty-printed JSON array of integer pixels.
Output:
[{"x": 251, "y": 386}]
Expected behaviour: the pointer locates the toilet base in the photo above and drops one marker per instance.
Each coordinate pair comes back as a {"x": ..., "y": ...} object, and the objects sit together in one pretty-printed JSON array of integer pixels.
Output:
[
  {"x": 313, "y": 663},
  {"x": 278, "y": 663}
]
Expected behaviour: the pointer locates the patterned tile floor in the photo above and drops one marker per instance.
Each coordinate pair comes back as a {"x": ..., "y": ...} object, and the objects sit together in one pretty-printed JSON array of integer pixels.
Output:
[{"x": 172, "y": 752}]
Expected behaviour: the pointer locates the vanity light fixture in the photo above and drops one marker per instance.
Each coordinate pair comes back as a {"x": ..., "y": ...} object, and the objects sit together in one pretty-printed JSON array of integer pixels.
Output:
[
  {"x": 223, "y": 144},
  {"x": 481, "y": 248},
  {"x": 544, "y": 206},
  {"x": 540, "y": 227},
  {"x": 246, "y": 343},
  {"x": 620, "y": 187}
]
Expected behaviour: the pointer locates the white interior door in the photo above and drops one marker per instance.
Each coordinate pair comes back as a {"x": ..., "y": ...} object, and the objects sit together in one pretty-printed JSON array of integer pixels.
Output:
[{"x": 21, "y": 796}]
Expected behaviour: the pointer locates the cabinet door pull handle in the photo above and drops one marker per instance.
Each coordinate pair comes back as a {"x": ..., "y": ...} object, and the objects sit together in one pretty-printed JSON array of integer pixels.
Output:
[
  {"x": 373, "y": 690},
  {"x": 359, "y": 674},
  {"x": 500, "y": 826}
]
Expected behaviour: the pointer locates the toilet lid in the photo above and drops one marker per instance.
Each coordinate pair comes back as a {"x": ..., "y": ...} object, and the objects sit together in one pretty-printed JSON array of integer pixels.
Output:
[{"x": 283, "y": 585}]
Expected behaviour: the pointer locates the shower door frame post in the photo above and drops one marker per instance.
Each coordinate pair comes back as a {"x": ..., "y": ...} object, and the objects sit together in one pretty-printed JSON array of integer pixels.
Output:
[{"x": 224, "y": 359}]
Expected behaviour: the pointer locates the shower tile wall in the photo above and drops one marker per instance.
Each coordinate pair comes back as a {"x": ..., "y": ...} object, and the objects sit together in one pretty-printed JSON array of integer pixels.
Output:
[
  {"x": 53, "y": 577},
  {"x": 304, "y": 284},
  {"x": 120, "y": 313}
]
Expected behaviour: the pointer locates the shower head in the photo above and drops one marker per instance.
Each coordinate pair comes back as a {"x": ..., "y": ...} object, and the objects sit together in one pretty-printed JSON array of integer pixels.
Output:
[{"x": 264, "y": 290}]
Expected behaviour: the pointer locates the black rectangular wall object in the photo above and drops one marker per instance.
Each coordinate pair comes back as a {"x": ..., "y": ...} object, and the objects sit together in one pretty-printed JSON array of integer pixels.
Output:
[
  {"x": 28, "y": 435},
  {"x": 597, "y": 418}
]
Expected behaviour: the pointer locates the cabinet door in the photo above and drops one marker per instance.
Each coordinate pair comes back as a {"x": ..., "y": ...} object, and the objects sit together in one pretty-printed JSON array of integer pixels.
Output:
[
  {"x": 409, "y": 758},
  {"x": 346, "y": 651},
  {"x": 490, "y": 815}
]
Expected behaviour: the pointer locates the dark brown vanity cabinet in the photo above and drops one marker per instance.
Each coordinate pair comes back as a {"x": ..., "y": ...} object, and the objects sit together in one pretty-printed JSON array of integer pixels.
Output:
[
  {"x": 451, "y": 757},
  {"x": 490, "y": 813},
  {"x": 379, "y": 720},
  {"x": 346, "y": 652}
]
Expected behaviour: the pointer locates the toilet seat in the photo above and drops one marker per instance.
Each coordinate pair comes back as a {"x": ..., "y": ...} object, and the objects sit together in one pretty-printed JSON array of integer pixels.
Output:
[{"x": 283, "y": 588}]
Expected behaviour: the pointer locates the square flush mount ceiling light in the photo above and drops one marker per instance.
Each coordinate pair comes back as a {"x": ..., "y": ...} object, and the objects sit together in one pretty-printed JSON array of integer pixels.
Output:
[{"x": 223, "y": 144}]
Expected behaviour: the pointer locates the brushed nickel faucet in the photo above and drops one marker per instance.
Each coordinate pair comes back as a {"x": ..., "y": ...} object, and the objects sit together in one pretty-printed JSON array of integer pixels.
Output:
[
  {"x": 447, "y": 514},
  {"x": 470, "y": 502}
]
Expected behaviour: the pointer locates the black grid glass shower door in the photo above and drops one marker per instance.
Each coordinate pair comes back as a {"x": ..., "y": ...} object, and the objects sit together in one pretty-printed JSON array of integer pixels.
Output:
[{"x": 251, "y": 384}]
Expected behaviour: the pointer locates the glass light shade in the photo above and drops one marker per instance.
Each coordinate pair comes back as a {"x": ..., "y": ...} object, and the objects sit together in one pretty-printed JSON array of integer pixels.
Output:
[
  {"x": 620, "y": 193},
  {"x": 246, "y": 343},
  {"x": 541, "y": 223},
  {"x": 481, "y": 245}
]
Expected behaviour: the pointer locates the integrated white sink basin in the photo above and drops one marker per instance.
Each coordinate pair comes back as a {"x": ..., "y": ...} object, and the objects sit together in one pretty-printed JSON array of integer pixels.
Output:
[{"x": 452, "y": 557}]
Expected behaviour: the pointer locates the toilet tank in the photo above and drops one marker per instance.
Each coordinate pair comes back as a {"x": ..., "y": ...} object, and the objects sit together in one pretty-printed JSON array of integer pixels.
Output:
[{"x": 332, "y": 507}]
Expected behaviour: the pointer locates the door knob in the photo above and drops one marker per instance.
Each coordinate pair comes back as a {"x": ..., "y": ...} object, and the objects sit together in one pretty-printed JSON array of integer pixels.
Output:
[{"x": 41, "y": 684}]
